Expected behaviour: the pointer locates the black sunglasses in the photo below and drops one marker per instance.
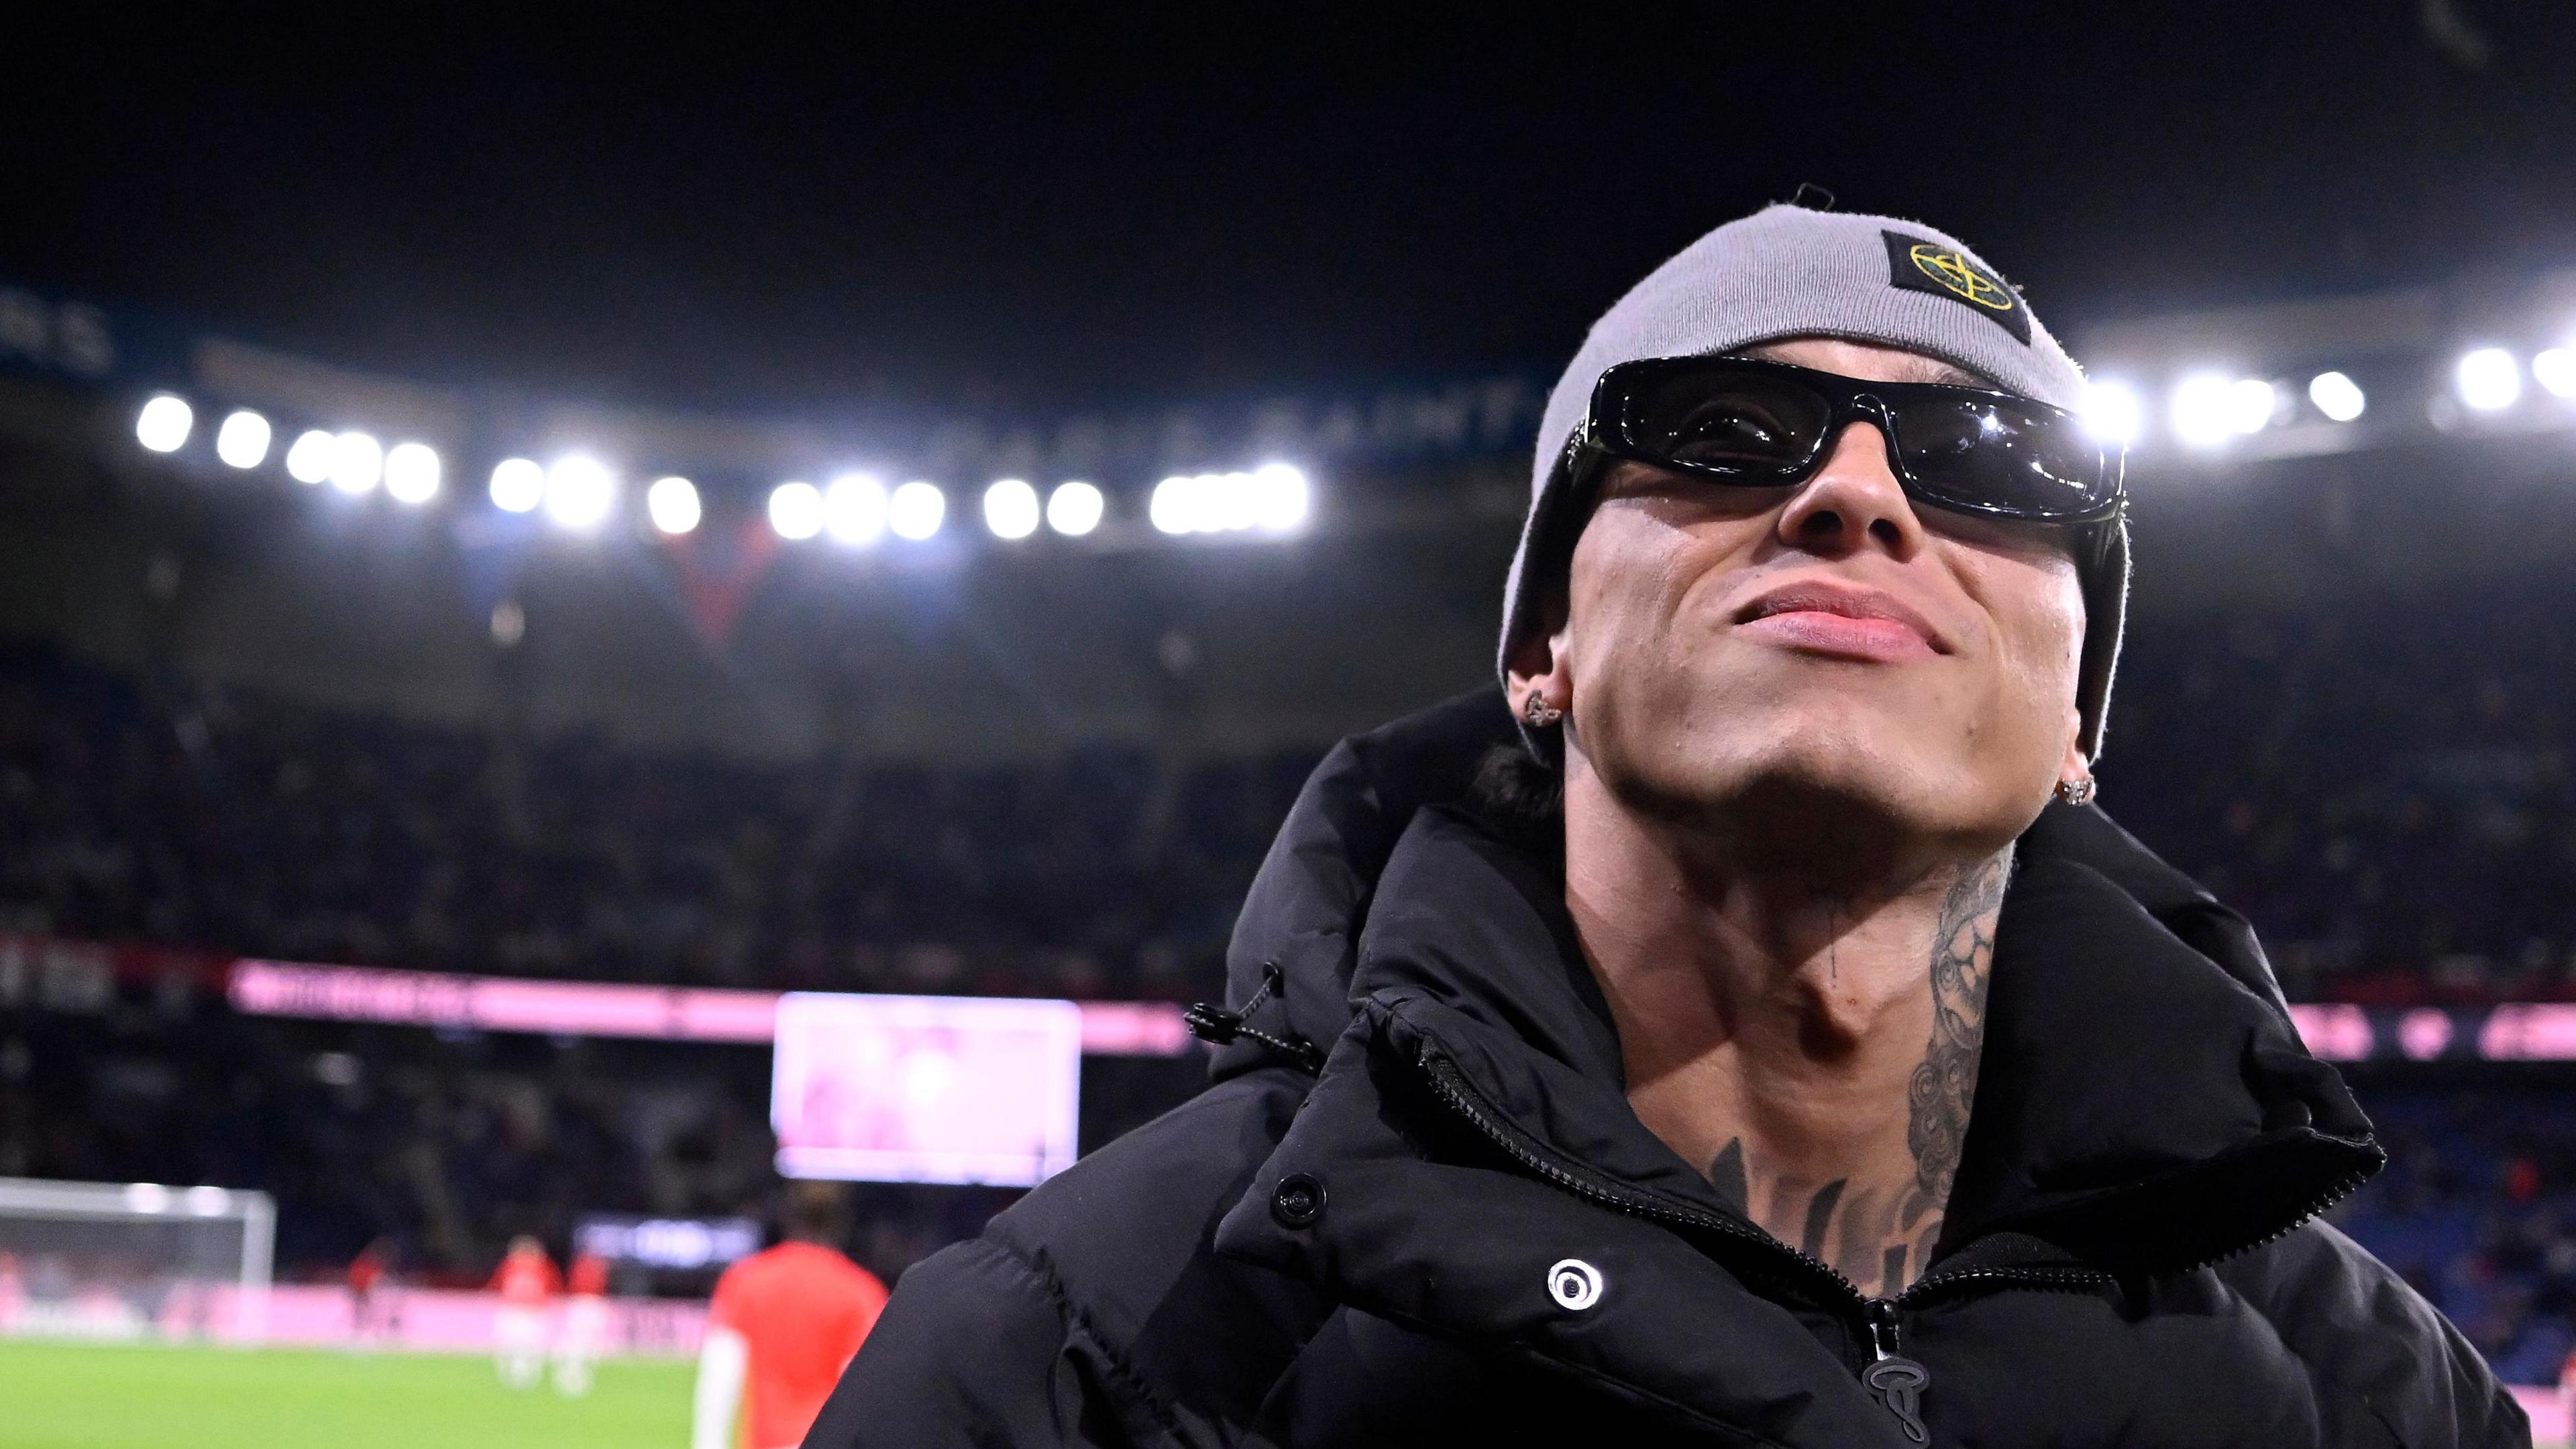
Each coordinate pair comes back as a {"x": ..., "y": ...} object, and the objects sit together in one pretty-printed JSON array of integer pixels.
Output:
[{"x": 1757, "y": 424}]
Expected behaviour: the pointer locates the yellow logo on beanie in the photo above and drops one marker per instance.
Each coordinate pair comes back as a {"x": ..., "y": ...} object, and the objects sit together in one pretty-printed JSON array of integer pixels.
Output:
[
  {"x": 1960, "y": 276},
  {"x": 1918, "y": 265}
]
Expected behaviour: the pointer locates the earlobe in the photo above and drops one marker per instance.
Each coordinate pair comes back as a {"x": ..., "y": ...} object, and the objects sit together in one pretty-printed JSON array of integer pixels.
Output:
[
  {"x": 1538, "y": 698},
  {"x": 1537, "y": 685},
  {"x": 2075, "y": 783}
]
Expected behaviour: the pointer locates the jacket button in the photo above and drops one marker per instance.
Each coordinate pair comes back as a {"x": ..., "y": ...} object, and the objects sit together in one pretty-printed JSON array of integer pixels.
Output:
[
  {"x": 1298, "y": 1201},
  {"x": 1574, "y": 1284}
]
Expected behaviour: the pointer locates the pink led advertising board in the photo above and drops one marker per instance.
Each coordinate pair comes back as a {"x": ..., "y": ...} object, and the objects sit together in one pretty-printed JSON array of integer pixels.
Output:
[{"x": 925, "y": 1088}]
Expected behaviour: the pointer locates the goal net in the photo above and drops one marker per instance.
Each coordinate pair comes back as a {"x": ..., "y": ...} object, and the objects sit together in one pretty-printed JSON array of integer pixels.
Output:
[{"x": 133, "y": 1260}]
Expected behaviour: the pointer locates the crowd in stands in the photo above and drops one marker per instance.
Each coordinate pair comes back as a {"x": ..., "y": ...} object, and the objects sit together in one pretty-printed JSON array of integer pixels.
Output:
[
  {"x": 2477, "y": 1208},
  {"x": 228, "y": 822},
  {"x": 2383, "y": 786}
]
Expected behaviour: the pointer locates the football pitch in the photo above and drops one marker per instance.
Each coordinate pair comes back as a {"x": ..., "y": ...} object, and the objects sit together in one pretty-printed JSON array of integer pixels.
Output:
[{"x": 78, "y": 1396}]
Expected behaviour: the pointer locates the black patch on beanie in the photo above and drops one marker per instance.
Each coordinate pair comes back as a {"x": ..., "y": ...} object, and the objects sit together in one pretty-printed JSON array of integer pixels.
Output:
[{"x": 1915, "y": 264}]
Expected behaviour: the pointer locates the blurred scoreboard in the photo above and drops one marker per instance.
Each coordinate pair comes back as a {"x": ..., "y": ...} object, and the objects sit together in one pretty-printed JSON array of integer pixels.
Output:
[
  {"x": 685, "y": 1244},
  {"x": 942, "y": 1089}
]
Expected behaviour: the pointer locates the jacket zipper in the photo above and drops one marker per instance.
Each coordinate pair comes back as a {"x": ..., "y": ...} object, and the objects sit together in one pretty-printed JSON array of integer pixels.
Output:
[
  {"x": 1897, "y": 1382},
  {"x": 1891, "y": 1378},
  {"x": 2341, "y": 1189}
]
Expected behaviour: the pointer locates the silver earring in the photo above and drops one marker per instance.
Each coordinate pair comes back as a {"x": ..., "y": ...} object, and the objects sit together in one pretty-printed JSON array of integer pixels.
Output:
[
  {"x": 2078, "y": 792},
  {"x": 1538, "y": 713}
]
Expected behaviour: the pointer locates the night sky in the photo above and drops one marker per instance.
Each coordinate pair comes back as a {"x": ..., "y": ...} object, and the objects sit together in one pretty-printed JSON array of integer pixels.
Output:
[{"x": 752, "y": 214}]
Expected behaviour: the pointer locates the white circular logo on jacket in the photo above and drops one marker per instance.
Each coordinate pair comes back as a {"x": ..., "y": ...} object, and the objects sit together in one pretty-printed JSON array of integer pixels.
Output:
[{"x": 1574, "y": 1283}]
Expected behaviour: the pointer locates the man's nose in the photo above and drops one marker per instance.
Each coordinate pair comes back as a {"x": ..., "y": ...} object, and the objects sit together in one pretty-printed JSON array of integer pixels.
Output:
[{"x": 1853, "y": 502}]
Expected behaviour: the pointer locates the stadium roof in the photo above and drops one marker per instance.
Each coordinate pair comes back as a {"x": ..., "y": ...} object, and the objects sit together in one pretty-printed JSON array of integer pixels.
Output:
[{"x": 777, "y": 217}]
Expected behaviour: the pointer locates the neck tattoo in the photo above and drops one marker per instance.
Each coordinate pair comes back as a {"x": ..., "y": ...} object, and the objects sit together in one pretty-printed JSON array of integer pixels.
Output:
[{"x": 1881, "y": 1236}]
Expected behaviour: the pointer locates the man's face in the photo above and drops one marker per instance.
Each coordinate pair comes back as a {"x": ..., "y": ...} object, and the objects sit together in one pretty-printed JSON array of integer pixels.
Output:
[{"x": 1772, "y": 660}]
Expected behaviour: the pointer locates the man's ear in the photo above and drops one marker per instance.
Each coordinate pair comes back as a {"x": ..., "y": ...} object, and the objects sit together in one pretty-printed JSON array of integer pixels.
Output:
[
  {"x": 2073, "y": 767},
  {"x": 1538, "y": 663}
]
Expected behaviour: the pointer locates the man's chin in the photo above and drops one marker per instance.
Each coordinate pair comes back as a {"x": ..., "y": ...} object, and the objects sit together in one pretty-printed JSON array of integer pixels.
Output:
[
  {"x": 1860, "y": 745},
  {"x": 1813, "y": 802}
]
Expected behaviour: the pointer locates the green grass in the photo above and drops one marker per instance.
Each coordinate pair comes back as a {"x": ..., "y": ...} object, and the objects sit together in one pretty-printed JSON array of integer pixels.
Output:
[{"x": 66, "y": 1396}]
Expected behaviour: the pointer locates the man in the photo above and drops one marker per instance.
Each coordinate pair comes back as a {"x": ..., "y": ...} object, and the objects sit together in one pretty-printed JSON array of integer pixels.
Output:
[
  {"x": 784, "y": 1323},
  {"x": 1722, "y": 1037},
  {"x": 526, "y": 1283},
  {"x": 369, "y": 1313},
  {"x": 583, "y": 1334},
  {"x": 2567, "y": 1390}
]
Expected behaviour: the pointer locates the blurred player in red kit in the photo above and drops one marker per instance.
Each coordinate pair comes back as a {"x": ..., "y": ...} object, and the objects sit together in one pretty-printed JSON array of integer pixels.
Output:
[
  {"x": 783, "y": 1325},
  {"x": 369, "y": 1319},
  {"x": 584, "y": 1329},
  {"x": 2567, "y": 1391},
  {"x": 526, "y": 1282}
]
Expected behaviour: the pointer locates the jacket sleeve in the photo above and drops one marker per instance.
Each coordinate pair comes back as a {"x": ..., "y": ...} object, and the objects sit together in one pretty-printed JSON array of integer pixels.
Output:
[
  {"x": 976, "y": 1349},
  {"x": 2372, "y": 1341}
]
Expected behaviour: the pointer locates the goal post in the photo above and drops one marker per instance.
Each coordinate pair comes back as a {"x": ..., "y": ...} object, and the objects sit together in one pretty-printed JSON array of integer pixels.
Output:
[{"x": 121, "y": 1260}]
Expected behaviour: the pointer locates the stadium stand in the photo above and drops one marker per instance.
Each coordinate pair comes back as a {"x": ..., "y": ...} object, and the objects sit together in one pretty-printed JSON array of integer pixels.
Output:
[
  {"x": 2478, "y": 1210},
  {"x": 2381, "y": 783},
  {"x": 2383, "y": 788},
  {"x": 225, "y": 821}
]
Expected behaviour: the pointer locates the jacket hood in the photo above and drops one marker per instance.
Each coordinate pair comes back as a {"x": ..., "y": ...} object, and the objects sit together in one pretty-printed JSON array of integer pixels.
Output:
[{"x": 2139, "y": 1064}]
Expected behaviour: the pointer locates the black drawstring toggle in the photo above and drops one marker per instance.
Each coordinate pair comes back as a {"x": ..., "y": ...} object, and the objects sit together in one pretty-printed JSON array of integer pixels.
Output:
[{"x": 1219, "y": 1027}]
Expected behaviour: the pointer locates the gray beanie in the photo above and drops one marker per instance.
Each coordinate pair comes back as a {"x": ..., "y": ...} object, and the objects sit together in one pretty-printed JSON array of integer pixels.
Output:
[{"x": 1792, "y": 271}]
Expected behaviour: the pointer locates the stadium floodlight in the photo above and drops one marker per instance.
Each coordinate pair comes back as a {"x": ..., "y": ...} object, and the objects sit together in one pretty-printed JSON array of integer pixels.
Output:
[
  {"x": 518, "y": 485},
  {"x": 411, "y": 473},
  {"x": 309, "y": 459},
  {"x": 2200, "y": 410},
  {"x": 673, "y": 505},
  {"x": 1225, "y": 502},
  {"x": 796, "y": 510},
  {"x": 854, "y": 509},
  {"x": 579, "y": 491},
  {"x": 1280, "y": 498},
  {"x": 1237, "y": 501},
  {"x": 1074, "y": 508},
  {"x": 2489, "y": 379},
  {"x": 163, "y": 424},
  {"x": 2337, "y": 396},
  {"x": 916, "y": 510},
  {"x": 1011, "y": 509},
  {"x": 2555, "y": 369},
  {"x": 1273, "y": 499},
  {"x": 2113, "y": 412},
  {"x": 2251, "y": 402},
  {"x": 357, "y": 462},
  {"x": 242, "y": 440},
  {"x": 2209, "y": 409},
  {"x": 1174, "y": 508}
]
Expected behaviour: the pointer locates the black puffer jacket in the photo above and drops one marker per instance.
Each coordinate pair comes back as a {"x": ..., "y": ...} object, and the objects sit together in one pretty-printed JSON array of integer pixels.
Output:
[{"x": 1459, "y": 1234}]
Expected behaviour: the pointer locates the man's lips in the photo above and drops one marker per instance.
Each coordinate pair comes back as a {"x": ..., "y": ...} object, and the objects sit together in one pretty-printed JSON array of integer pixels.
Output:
[{"x": 1843, "y": 621}]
